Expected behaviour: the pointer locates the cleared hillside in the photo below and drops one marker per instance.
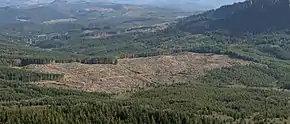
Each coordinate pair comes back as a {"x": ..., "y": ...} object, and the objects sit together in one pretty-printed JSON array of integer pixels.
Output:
[{"x": 130, "y": 74}]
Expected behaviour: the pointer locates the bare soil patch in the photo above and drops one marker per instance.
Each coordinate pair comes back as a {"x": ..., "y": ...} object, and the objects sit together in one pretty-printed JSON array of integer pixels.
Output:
[{"x": 130, "y": 74}]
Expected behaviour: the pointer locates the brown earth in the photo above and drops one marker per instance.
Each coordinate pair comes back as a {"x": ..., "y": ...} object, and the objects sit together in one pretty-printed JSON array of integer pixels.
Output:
[{"x": 130, "y": 74}]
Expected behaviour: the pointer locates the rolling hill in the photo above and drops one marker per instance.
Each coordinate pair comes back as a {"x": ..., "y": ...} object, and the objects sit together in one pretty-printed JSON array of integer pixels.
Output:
[
  {"x": 225, "y": 66},
  {"x": 60, "y": 16},
  {"x": 36, "y": 15}
]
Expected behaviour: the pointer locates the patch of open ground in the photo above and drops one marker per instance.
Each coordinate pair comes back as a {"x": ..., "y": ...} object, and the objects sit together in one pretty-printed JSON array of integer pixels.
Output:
[
  {"x": 59, "y": 21},
  {"x": 134, "y": 73}
]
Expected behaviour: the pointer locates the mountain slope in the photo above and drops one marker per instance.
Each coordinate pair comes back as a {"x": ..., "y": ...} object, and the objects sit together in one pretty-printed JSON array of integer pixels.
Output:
[{"x": 251, "y": 16}]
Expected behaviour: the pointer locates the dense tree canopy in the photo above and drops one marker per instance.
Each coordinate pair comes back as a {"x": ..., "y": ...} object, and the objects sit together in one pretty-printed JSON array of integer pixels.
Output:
[{"x": 254, "y": 31}]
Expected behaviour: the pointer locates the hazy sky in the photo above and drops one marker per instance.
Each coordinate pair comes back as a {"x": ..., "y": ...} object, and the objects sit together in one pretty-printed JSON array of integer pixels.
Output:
[
  {"x": 219, "y": 2},
  {"x": 214, "y": 3}
]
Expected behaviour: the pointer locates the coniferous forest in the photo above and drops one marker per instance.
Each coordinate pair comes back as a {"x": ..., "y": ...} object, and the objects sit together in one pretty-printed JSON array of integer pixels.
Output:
[{"x": 254, "y": 31}]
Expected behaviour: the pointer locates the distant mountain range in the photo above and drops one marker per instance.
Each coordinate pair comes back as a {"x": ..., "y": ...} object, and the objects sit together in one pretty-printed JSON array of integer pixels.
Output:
[
  {"x": 80, "y": 13},
  {"x": 188, "y": 5}
]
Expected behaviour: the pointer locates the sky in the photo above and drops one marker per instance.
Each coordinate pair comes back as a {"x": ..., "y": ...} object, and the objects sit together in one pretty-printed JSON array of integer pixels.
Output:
[{"x": 218, "y": 2}]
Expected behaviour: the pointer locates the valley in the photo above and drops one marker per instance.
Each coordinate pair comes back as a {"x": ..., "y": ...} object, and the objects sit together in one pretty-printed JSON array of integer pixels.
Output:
[{"x": 91, "y": 62}]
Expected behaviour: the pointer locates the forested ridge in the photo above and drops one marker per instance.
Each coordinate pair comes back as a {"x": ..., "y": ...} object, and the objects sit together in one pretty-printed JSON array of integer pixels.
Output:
[
  {"x": 249, "y": 17},
  {"x": 256, "y": 93}
]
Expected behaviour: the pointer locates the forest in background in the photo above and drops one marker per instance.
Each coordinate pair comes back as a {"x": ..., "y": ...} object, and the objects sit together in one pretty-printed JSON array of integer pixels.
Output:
[{"x": 255, "y": 93}]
